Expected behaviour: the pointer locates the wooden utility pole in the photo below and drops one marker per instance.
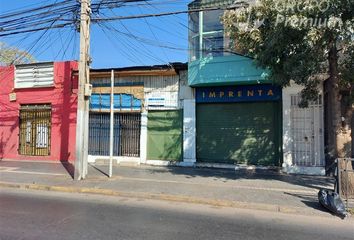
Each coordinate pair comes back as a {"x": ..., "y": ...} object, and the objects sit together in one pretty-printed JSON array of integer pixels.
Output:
[{"x": 84, "y": 93}]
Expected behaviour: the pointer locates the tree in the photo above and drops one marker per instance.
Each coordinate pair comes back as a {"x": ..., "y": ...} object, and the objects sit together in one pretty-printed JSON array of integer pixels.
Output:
[
  {"x": 12, "y": 55},
  {"x": 306, "y": 42}
]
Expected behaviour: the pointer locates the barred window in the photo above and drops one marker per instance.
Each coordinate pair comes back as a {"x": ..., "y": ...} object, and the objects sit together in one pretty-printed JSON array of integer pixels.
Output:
[{"x": 35, "y": 130}]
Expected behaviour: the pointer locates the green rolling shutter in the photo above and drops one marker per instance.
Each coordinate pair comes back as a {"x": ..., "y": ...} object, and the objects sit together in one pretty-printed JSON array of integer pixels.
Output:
[
  {"x": 242, "y": 133},
  {"x": 165, "y": 135}
]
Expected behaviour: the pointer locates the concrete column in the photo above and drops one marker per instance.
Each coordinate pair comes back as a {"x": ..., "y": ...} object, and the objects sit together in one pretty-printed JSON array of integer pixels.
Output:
[
  {"x": 287, "y": 135},
  {"x": 189, "y": 132},
  {"x": 143, "y": 137}
]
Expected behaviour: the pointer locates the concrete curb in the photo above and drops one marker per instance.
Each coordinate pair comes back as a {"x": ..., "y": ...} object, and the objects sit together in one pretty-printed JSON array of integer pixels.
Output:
[{"x": 163, "y": 197}]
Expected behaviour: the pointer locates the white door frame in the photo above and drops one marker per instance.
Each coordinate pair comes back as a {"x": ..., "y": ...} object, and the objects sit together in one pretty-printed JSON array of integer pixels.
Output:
[{"x": 289, "y": 163}]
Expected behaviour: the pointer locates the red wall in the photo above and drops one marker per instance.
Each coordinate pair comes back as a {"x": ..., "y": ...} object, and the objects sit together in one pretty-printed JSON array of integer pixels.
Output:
[{"x": 63, "y": 99}]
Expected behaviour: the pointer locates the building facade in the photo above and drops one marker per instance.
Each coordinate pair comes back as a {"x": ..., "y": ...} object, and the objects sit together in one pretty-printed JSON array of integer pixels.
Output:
[
  {"x": 219, "y": 110},
  {"x": 238, "y": 115},
  {"x": 38, "y": 111},
  {"x": 148, "y": 115},
  {"x": 237, "y": 110}
]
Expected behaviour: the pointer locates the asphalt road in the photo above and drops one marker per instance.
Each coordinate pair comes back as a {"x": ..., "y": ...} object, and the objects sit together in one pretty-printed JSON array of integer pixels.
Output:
[{"x": 48, "y": 215}]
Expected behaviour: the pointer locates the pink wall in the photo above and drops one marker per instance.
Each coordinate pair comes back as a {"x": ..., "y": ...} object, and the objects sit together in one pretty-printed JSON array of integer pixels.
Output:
[{"x": 63, "y": 99}]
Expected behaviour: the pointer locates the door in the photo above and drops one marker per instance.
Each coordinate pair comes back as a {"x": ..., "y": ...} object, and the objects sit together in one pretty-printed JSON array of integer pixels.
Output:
[
  {"x": 126, "y": 136},
  {"x": 35, "y": 130},
  {"x": 164, "y": 135},
  {"x": 129, "y": 128},
  {"x": 307, "y": 133},
  {"x": 238, "y": 133}
]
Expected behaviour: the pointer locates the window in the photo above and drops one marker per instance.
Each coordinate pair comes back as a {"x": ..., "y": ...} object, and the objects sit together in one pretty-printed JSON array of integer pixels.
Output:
[
  {"x": 206, "y": 35},
  {"x": 212, "y": 21},
  {"x": 35, "y": 129},
  {"x": 34, "y": 75},
  {"x": 194, "y": 42},
  {"x": 213, "y": 44}
]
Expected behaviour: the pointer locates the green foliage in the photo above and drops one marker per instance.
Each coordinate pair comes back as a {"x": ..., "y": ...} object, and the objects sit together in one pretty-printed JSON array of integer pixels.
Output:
[
  {"x": 293, "y": 38},
  {"x": 12, "y": 55}
]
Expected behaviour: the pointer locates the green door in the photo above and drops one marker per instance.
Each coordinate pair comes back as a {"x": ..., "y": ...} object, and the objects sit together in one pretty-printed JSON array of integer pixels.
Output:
[
  {"x": 242, "y": 133},
  {"x": 164, "y": 136}
]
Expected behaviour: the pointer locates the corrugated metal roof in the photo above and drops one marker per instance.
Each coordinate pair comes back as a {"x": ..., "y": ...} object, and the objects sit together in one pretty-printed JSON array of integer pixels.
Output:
[
  {"x": 210, "y": 3},
  {"x": 175, "y": 65}
]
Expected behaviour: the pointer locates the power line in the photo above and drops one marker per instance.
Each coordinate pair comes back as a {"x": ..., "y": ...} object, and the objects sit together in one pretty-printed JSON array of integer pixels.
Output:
[
  {"x": 129, "y": 55},
  {"x": 64, "y": 14},
  {"x": 152, "y": 32},
  {"x": 4, "y": 16},
  {"x": 38, "y": 40},
  {"x": 159, "y": 14},
  {"x": 117, "y": 18},
  {"x": 146, "y": 51},
  {"x": 36, "y": 29}
]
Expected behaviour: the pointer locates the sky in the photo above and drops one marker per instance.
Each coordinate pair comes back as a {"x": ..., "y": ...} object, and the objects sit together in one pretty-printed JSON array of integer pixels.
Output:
[{"x": 118, "y": 43}]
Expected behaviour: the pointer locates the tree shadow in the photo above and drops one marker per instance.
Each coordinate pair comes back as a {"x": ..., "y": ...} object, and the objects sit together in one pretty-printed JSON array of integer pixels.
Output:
[
  {"x": 313, "y": 202},
  {"x": 310, "y": 201},
  {"x": 250, "y": 150},
  {"x": 314, "y": 182}
]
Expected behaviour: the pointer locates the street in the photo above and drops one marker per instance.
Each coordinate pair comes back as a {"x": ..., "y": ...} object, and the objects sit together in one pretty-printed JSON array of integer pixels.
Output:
[{"x": 28, "y": 214}]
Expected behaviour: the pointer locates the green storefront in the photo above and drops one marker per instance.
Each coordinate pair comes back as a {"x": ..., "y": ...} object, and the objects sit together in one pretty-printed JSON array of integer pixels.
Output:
[
  {"x": 239, "y": 125},
  {"x": 238, "y": 110}
]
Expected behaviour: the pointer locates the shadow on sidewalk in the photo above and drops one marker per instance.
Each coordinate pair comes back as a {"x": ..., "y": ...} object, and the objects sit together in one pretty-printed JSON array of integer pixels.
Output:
[
  {"x": 101, "y": 169},
  {"x": 309, "y": 200},
  {"x": 315, "y": 182},
  {"x": 92, "y": 169},
  {"x": 69, "y": 167}
]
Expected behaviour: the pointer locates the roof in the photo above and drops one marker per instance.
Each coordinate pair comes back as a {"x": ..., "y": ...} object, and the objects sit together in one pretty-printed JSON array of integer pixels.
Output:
[
  {"x": 209, "y": 3},
  {"x": 177, "y": 66},
  {"x": 167, "y": 69}
]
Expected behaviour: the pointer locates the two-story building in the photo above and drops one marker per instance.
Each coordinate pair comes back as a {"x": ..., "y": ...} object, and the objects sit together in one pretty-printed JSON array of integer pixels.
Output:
[{"x": 238, "y": 115}]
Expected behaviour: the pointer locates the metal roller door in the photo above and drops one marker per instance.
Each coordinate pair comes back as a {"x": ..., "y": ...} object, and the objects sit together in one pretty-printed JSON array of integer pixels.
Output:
[{"x": 242, "y": 133}]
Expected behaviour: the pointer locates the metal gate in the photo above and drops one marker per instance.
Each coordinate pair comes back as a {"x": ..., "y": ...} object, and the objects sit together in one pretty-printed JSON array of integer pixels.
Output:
[
  {"x": 35, "y": 130},
  {"x": 126, "y": 134},
  {"x": 307, "y": 132}
]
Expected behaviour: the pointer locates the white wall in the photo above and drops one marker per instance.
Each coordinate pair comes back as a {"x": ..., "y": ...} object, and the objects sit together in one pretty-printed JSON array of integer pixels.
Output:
[
  {"x": 189, "y": 132},
  {"x": 143, "y": 137}
]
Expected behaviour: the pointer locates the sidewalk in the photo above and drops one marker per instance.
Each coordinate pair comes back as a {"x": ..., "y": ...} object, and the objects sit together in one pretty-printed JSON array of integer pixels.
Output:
[{"x": 261, "y": 189}]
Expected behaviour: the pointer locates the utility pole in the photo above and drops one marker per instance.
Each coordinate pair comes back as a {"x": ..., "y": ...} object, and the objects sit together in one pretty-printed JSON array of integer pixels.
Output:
[{"x": 84, "y": 92}]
